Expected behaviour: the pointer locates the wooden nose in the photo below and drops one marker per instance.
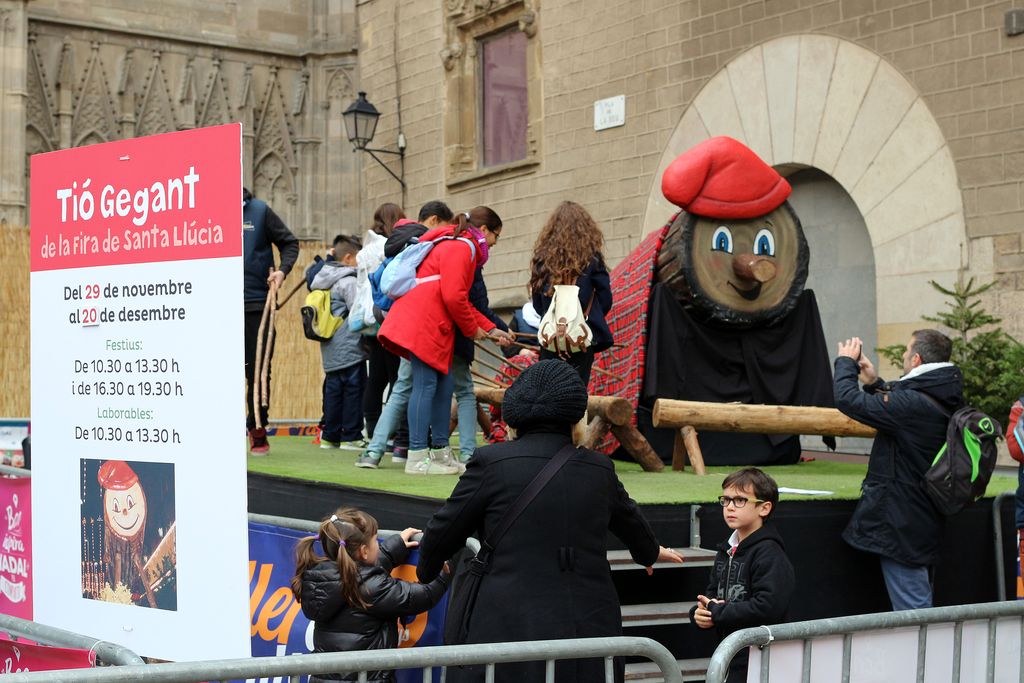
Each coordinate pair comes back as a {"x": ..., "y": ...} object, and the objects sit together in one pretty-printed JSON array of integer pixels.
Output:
[{"x": 753, "y": 268}]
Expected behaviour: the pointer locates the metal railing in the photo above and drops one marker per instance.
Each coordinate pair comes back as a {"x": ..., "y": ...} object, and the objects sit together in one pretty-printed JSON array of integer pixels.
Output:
[
  {"x": 763, "y": 636},
  {"x": 313, "y": 527},
  {"x": 15, "y": 471},
  {"x": 108, "y": 653},
  {"x": 488, "y": 654},
  {"x": 997, "y": 522}
]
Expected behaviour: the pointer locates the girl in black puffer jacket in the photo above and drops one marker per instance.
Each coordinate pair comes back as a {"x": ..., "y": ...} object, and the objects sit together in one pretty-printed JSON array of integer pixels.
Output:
[{"x": 352, "y": 599}]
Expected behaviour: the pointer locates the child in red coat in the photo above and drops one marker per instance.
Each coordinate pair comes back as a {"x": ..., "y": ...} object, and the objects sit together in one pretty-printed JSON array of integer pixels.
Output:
[{"x": 421, "y": 327}]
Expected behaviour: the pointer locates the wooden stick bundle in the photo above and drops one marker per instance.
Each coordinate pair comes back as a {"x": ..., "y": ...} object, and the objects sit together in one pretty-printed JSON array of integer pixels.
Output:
[
  {"x": 491, "y": 382},
  {"x": 269, "y": 348},
  {"x": 260, "y": 367}
]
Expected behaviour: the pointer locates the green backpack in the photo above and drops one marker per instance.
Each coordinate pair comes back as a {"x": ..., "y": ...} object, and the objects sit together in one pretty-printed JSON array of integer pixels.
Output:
[
  {"x": 963, "y": 466},
  {"x": 318, "y": 323}
]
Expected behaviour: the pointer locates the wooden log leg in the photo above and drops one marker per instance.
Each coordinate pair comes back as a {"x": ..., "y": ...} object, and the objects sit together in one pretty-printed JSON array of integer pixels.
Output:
[
  {"x": 679, "y": 453},
  {"x": 483, "y": 418},
  {"x": 689, "y": 435},
  {"x": 638, "y": 447},
  {"x": 596, "y": 431}
]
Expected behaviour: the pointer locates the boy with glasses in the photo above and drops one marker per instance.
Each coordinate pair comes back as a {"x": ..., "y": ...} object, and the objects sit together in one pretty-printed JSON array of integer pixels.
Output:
[{"x": 752, "y": 580}]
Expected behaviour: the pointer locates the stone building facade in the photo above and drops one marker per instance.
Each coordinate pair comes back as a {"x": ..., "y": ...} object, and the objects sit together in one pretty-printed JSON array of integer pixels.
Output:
[
  {"x": 897, "y": 121},
  {"x": 80, "y": 72}
]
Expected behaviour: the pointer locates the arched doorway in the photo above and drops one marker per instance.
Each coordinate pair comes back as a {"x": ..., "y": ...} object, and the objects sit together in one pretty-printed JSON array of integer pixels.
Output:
[
  {"x": 842, "y": 269},
  {"x": 816, "y": 101}
]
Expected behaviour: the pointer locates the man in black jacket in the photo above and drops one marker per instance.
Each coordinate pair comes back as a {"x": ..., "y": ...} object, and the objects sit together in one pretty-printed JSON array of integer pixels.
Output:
[
  {"x": 895, "y": 519},
  {"x": 262, "y": 229}
]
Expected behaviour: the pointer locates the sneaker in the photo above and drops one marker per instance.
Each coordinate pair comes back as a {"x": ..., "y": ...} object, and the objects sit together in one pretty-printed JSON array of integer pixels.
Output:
[
  {"x": 390, "y": 446},
  {"x": 354, "y": 445},
  {"x": 418, "y": 461},
  {"x": 368, "y": 461},
  {"x": 258, "y": 444},
  {"x": 399, "y": 455},
  {"x": 324, "y": 443}
]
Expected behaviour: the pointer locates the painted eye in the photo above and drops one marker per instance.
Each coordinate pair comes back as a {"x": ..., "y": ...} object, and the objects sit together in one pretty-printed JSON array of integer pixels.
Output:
[
  {"x": 764, "y": 243},
  {"x": 130, "y": 502},
  {"x": 117, "y": 506},
  {"x": 722, "y": 240}
]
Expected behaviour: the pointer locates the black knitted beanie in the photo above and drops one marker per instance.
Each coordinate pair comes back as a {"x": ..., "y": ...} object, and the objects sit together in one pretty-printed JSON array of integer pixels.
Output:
[{"x": 548, "y": 391}]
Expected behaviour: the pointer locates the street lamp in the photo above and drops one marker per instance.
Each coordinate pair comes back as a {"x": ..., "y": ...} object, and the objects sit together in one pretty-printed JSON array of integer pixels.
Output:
[{"x": 360, "y": 125}]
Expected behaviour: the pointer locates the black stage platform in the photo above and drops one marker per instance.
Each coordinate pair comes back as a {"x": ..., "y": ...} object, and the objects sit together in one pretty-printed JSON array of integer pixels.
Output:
[{"x": 832, "y": 578}]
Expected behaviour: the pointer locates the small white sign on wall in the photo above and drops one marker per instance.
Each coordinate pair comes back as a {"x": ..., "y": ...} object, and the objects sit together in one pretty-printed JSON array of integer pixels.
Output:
[{"x": 610, "y": 112}]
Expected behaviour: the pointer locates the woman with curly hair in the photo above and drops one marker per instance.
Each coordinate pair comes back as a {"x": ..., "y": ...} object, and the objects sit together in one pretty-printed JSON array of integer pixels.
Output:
[{"x": 568, "y": 252}]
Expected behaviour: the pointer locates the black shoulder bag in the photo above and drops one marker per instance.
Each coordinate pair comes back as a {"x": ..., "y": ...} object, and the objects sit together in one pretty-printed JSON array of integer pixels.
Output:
[{"x": 463, "y": 597}]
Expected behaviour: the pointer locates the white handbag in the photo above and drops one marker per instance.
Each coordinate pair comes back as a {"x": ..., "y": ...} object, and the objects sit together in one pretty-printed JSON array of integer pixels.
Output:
[{"x": 563, "y": 329}]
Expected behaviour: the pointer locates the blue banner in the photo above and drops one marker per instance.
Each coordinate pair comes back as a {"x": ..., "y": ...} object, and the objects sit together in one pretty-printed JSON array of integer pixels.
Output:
[{"x": 278, "y": 626}]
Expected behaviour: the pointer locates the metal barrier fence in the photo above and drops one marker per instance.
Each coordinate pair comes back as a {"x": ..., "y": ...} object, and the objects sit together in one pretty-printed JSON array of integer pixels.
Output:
[
  {"x": 808, "y": 631},
  {"x": 472, "y": 544},
  {"x": 547, "y": 651},
  {"x": 108, "y": 653},
  {"x": 997, "y": 522}
]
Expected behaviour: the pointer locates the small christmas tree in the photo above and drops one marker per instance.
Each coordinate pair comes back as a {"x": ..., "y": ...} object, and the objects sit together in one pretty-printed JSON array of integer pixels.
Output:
[{"x": 991, "y": 361}]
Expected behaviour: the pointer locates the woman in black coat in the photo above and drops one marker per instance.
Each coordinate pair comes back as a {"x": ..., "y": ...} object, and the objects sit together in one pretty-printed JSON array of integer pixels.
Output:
[{"x": 549, "y": 575}]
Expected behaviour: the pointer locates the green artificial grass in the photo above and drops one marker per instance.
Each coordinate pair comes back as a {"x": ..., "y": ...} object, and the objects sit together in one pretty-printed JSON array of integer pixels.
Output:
[{"x": 296, "y": 456}]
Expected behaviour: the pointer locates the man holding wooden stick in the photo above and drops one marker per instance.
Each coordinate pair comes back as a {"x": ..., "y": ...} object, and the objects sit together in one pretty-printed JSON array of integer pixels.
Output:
[{"x": 262, "y": 229}]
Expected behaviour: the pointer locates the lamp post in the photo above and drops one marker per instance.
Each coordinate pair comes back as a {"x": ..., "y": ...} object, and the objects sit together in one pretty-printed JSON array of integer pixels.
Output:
[{"x": 360, "y": 125}]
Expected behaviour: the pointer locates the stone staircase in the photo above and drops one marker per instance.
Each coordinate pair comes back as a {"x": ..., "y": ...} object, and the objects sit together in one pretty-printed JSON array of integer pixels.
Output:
[{"x": 653, "y": 617}]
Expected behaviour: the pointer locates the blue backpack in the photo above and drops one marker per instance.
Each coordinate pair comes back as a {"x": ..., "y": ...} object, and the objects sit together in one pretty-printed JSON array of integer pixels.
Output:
[
  {"x": 399, "y": 274},
  {"x": 380, "y": 299}
]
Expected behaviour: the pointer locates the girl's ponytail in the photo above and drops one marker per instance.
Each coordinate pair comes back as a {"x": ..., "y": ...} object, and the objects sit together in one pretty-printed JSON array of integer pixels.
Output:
[
  {"x": 305, "y": 557},
  {"x": 461, "y": 220},
  {"x": 349, "y": 571},
  {"x": 341, "y": 536}
]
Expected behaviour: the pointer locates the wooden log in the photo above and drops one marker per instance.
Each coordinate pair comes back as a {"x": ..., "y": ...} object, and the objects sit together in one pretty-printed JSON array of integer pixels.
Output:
[
  {"x": 596, "y": 430},
  {"x": 756, "y": 419},
  {"x": 614, "y": 409},
  {"x": 693, "y": 452},
  {"x": 492, "y": 396},
  {"x": 638, "y": 447},
  {"x": 679, "y": 452},
  {"x": 483, "y": 418}
]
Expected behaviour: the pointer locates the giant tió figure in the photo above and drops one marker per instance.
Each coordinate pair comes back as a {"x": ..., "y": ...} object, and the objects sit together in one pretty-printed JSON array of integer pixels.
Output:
[{"x": 720, "y": 308}]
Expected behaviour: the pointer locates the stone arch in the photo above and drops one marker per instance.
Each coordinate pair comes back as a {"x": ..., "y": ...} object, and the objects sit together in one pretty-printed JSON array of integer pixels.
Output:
[
  {"x": 815, "y": 101},
  {"x": 274, "y": 183}
]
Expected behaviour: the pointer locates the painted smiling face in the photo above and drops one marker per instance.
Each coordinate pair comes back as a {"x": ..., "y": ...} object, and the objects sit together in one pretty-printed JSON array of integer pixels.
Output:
[
  {"x": 124, "y": 501},
  {"x": 744, "y": 271},
  {"x": 125, "y": 511},
  {"x": 736, "y": 251}
]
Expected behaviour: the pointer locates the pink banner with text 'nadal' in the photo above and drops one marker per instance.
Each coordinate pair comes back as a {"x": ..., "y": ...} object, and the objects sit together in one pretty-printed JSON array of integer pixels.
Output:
[{"x": 16, "y": 547}]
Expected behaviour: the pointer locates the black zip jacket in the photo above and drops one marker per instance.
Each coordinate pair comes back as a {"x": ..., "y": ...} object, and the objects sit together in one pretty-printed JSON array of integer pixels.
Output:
[
  {"x": 755, "y": 585},
  {"x": 895, "y": 517},
  {"x": 262, "y": 229},
  {"x": 341, "y": 628}
]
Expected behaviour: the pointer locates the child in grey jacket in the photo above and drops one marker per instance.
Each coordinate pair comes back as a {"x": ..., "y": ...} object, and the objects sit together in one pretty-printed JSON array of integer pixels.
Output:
[{"x": 343, "y": 354}]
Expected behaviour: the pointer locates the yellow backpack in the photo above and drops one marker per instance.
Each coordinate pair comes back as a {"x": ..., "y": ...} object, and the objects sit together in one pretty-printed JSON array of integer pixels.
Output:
[{"x": 318, "y": 323}]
